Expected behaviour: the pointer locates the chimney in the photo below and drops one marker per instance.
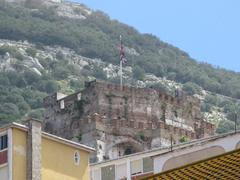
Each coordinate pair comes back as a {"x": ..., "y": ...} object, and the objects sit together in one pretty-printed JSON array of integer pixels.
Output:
[{"x": 34, "y": 140}]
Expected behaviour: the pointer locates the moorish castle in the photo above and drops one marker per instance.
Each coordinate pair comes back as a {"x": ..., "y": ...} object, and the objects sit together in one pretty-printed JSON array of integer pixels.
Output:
[{"x": 119, "y": 122}]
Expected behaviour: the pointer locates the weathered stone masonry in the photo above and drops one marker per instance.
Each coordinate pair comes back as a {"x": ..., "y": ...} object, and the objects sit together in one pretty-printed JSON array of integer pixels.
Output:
[{"x": 119, "y": 122}]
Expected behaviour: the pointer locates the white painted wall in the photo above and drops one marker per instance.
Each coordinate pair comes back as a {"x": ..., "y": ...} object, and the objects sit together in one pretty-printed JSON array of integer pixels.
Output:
[
  {"x": 228, "y": 143},
  {"x": 4, "y": 172},
  {"x": 96, "y": 174}
]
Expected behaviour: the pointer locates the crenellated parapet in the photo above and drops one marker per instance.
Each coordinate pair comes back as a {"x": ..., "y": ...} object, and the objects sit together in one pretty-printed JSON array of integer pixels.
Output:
[{"x": 102, "y": 113}]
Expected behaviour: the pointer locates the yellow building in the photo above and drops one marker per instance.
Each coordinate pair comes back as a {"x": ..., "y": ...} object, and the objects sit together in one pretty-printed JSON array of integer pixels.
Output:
[{"x": 27, "y": 153}]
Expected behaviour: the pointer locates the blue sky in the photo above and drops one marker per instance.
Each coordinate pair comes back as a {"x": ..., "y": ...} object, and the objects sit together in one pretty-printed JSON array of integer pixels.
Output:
[{"x": 208, "y": 30}]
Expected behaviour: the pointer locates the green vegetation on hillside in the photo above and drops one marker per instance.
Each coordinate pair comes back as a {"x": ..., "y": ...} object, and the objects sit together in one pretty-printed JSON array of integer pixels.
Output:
[{"x": 97, "y": 36}]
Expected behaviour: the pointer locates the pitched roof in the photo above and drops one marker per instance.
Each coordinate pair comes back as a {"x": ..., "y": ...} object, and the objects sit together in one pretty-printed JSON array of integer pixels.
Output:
[
  {"x": 224, "y": 166},
  {"x": 49, "y": 136}
]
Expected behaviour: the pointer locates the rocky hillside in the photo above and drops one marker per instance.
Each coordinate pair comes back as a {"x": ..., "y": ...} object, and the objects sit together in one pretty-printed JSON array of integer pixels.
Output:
[{"x": 48, "y": 46}]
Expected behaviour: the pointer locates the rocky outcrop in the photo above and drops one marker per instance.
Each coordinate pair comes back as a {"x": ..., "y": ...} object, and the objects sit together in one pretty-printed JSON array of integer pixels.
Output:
[{"x": 63, "y": 8}]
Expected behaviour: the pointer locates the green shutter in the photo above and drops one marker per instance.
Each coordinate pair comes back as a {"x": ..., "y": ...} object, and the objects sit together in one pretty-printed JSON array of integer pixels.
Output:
[
  {"x": 147, "y": 164},
  {"x": 108, "y": 172}
]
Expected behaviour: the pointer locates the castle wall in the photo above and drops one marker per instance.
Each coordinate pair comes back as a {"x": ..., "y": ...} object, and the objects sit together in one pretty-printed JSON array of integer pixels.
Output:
[
  {"x": 108, "y": 118},
  {"x": 145, "y": 104}
]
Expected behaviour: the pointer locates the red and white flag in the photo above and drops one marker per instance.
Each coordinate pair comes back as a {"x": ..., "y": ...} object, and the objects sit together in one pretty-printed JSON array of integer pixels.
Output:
[{"x": 122, "y": 55}]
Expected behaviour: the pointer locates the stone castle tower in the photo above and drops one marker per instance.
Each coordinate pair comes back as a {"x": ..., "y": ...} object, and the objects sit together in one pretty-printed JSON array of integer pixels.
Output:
[{"x": 120, "y": 122}]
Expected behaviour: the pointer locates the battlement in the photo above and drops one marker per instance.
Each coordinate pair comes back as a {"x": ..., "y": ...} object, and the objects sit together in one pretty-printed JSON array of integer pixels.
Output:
[
  {"x": 126, "y": 91},
  {"x": 103, "y": 113}
]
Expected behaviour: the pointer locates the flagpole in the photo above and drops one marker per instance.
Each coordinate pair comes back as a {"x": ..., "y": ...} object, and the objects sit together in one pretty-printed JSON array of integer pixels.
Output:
[{"x": 121, "y": 82}]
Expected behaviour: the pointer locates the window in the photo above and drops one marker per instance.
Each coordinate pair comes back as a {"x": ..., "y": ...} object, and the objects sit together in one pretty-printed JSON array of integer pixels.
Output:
[
  {"x": 62, "y": 104},
  {"x": 79, "y": 96},
  {"x": 121, "y": 171},
  {"x": 3, "y": 142},
  {"x": 147, "y": 164},
  {"x": 76, "y": 158},
  {"x": 108, "y": 172},
  {"x": 136, "y": 167}
]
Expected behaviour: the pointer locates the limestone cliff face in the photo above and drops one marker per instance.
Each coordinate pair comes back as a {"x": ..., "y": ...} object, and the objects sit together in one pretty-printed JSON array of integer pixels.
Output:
[
  {"x": 62, "y": 8},
  {"x": 21, "y": 1},
  {"x": 119, "y": 122}
]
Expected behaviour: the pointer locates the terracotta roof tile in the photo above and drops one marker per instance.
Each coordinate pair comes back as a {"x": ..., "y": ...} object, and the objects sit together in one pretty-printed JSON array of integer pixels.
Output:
[{"x": 225, "y": 166}]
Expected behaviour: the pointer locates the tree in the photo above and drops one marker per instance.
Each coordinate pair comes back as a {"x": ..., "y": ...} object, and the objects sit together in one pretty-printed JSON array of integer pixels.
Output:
[
  {"x": 14, "y": 98},
  {"x": 4, "y": 80},
  {"x": 76, "y": 84},
  {"x": 31, "y": 77},
  {"x": 10, "y": 109},
  {"x": 212, "y": 99},
  {"x": 229, "y": 107},
  {"x": 232, "y": 116},
  {"x": 60, "y": 55},
  {"x": 23, "y": 107},
  {"x": 31, "y": 52},
  {"x": 16, "y": 79},
  {"x": 205, "y": 107},
  {"x": 138, "y": 73},
  {"x": 158, "y": 86},
  {"x": 99, "y": 73},
  {"x": 191, "y": 88},
  {"x": 225, "y": 126},
  {"x": 61, "y": 73},
  {"x": 51, "y": 86},
  {"x": 38, "y": 113}
]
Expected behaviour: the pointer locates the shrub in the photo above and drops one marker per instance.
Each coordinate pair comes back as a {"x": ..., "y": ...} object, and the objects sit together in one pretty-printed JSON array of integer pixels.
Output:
[
  {"x": 191, "y": 88},
  {"x": 31, "y": 52},
  {"x": 12, "y": 51},
  {"x": 38, "y": 114},
  {"x": 10, "y": 109},
  {"x": 138, "y": 73},
  {"x": 225, "y": 126},
  {"x": 99, "y": 73},
  {"x": 183, "y": 139}
]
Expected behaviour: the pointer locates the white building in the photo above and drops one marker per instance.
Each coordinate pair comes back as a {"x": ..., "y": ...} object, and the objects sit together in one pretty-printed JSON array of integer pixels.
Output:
[{"x": 154, "y": 161}]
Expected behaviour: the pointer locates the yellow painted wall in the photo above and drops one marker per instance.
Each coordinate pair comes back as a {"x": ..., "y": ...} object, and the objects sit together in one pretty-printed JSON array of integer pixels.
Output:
[
  {"x": 57, "y": 159},
  {"x": 58, "y": 162},
  {"x": 19, "y": 138}
]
